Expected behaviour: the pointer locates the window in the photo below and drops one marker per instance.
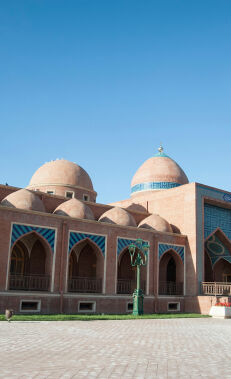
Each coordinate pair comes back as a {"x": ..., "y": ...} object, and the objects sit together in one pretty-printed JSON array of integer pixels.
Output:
[
  {"x": 69, "y": 194},
  {"x": 50, "y": 192},
  {"x": 30, "y": 306},
  {"x": 85, "y": 197},
  {"x": 87, "y": 306},
  {"x": 173, "y": 307},
  {"x": 129, "y": 307}
]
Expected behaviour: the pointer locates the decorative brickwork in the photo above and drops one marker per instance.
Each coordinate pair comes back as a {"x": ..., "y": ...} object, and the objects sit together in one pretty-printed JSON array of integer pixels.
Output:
[
  {"x": 77, "y": 237},
  {"x": 19, "y": 230},
  {"x": 178, "y": 249}
]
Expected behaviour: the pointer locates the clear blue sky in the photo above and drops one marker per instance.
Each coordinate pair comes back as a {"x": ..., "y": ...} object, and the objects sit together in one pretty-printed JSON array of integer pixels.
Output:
[{"x": 103, "y": 82}]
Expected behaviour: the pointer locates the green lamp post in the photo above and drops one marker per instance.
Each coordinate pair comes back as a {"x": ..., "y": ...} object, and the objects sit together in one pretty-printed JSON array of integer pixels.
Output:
[{"x": 138, "y": 253}]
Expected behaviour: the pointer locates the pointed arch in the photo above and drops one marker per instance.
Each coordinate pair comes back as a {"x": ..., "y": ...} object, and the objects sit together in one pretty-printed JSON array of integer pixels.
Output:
[
  {"x": 126, "y": 274},
  {"x": 85, "y": 267},
  {"x": 222, "y": 270},
  {"x": 171, "y": 273},
  {"x": 36, "y": 263},
  {"x": 19, "y": 230}
]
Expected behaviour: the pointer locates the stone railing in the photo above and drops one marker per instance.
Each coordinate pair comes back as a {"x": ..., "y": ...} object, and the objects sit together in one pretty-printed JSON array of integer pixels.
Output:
[
  {"x": 29, "y": 282},
  {"x": 216, "y": 288},
  {"x": 170, "y": 288},
  {"x": 127, "y": 286},
  {"x": 85, "y": 285}
]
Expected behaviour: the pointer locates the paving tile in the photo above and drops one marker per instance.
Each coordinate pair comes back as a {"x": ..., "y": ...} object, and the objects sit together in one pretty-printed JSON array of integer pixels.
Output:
[{"x": 162, "y": 349}]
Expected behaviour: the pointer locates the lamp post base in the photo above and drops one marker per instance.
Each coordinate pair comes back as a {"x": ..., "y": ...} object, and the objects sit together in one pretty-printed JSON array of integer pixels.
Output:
[{"x": 138, "y": 299}]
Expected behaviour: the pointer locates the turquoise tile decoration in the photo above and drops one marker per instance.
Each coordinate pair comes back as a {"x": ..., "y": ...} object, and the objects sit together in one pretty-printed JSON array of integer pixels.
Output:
[
  {"x": 216, "y": 217},
  {"x": 19, "y": 230},
  {"x": 153, "y": 186},
  {"x": 122, "y": 243},
  {"x": 217, "y": 249},
  {"x": 165, "y": 247},
  {"x": 76, "y": 237}
]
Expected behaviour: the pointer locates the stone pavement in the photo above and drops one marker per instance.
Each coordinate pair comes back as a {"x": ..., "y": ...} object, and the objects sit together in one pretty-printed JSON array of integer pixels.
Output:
[{"x": 171, "y": 348}]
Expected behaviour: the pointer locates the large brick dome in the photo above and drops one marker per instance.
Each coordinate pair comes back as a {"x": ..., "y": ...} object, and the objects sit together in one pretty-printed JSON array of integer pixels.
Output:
[
  {"x": 60, "y": 176},
  {"x": 158, "y": 172}
]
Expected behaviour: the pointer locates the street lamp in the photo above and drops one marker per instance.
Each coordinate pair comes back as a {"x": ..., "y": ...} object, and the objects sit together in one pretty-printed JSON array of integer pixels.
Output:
[{"x": 138, "y": 253}]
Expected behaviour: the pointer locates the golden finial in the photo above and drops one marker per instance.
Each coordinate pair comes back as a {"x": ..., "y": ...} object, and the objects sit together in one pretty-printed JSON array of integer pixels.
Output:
[{"x": 161, "y": 149}]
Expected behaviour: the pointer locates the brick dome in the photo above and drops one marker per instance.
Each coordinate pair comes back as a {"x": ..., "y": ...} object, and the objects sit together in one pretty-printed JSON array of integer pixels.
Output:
[
  {"x": 23, "y": 199},
  {"x": 74, "y": 208},
  {"x": 61, "y": 172},
  {"x": 158, "y": 172},
  {"x": 118, "y": 216},
  {"x": 61, "y": 176},
  {"x": 157, "y": 223}
]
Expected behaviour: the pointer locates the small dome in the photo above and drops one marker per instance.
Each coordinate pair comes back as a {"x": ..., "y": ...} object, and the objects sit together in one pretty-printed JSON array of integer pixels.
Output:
[
  {"x": 157, "y": 223},
  {"x": 61, "y": 172},
  {"x": 74, "y": 208},
  {"x": 158, "y": 172},
  {"x": 118, "y": 216},
  {"x": 24, "y": 199}
]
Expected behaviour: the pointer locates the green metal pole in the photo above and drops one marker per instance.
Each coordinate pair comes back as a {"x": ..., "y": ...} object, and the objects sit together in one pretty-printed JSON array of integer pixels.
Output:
[{"x": 138, "y": 279}]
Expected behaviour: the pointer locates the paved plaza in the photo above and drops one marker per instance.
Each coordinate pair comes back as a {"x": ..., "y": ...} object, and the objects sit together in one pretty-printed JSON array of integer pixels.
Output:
[{"x": 177, "y": 348}]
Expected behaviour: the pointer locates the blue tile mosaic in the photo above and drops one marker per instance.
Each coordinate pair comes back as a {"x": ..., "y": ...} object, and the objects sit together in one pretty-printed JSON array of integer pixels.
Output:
[
  {"x": 19, "y": 230},
  {"x": 77, "y": 237},
  {"x": 122, "y": 243},
  {"x": 153, "y": 186},
  {"x": 216, "y": 217},
  {"x": 165, "y": 247},
  {"x": 216, "y": 249}
]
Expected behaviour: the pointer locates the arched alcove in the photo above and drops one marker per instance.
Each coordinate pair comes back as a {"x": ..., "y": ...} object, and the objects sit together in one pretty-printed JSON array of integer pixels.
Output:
[
  {"x": 222, "y": 271},
  {"x": 171, "y": 274},
  {"x": 126, "y": 274},
  {"x": 86, "y": 268},
  {"x": 30, "y": 264}
]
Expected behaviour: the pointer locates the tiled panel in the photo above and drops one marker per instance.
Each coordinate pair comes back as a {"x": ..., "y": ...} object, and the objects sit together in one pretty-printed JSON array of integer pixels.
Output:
[
  {"x": 19, "y": 230},
  {"x": 122, "y": 243},
  {"x": 216, "y": 217},
  {"x": 165, "y": 247},
  {"x": 216, "y": 249},
  {"x": 77, "y": 237},
  {"x": 153, "y": 186}
]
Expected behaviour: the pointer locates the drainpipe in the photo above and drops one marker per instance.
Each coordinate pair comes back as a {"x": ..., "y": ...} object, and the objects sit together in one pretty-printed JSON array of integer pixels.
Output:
[{"x": 61, "y": 266}]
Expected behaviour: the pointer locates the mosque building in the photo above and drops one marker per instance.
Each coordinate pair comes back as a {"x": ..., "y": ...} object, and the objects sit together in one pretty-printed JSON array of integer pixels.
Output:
[{"x": 62, "y": 252}]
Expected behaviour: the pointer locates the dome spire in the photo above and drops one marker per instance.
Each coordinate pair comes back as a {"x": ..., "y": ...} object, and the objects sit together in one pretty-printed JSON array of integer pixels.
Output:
[{"x": 161, "y": 149}]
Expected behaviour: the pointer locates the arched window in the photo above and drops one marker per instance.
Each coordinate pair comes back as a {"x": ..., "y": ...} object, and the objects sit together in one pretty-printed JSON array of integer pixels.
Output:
[
  {"x": 171, "y": 270},
  {"x": 126, "y": 278},
  {"x": 171, "y": 274},
  {"x": 86, "y": 267},
  {"x": 30, "y": 264}
]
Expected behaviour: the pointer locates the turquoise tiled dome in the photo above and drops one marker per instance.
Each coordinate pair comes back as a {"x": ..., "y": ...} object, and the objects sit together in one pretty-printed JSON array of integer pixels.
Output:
[{"x": 157, "y": 173}]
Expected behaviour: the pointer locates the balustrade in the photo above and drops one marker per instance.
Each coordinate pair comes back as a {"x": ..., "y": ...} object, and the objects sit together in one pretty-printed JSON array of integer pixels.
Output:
[
  {"x": 216, "y": 288},
  {"x": 29, "y": 282},
  {"x": 85, "y": 285},
  {"x": 170, "y": 288},
  {"x": 127, "y": 286}
]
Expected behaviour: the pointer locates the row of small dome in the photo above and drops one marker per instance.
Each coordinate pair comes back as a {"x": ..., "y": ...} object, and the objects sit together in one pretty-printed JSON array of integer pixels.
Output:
[{"x": 27, "y": 200}]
